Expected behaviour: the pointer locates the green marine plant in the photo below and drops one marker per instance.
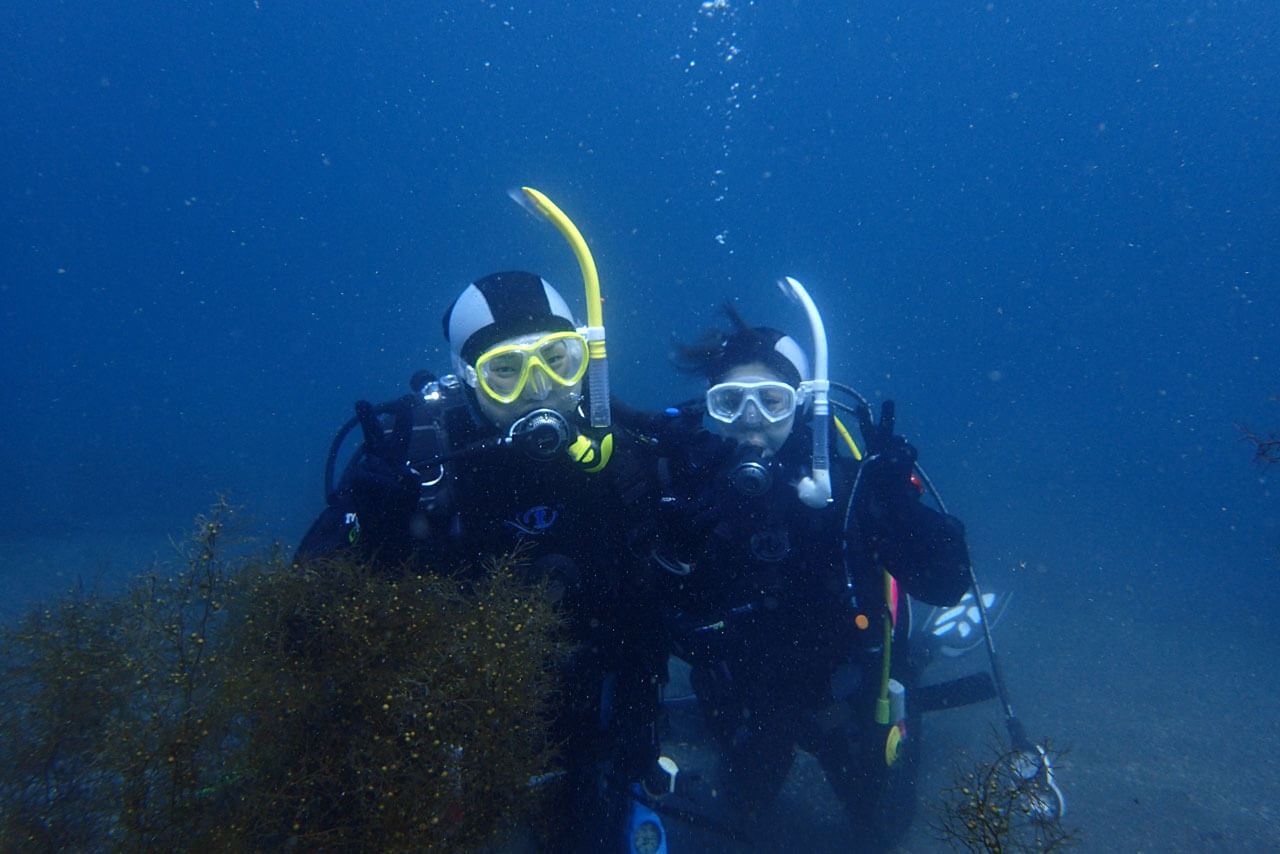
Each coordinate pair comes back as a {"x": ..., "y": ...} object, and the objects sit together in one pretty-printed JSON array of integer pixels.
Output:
[
  {"x": 993, "y": 806},
  {"x": 107, "y": 725},
  {"x": 240, "y": 703},
  {"x": 392, "y": 713}
]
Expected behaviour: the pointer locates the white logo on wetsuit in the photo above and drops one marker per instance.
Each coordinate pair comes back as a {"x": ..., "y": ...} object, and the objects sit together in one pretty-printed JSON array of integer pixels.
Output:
[{"x": 535, "y": 520}]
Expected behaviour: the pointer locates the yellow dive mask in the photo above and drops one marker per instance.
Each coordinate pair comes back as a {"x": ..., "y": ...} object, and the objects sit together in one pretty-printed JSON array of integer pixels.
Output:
[{"x": 532, "y": 364}]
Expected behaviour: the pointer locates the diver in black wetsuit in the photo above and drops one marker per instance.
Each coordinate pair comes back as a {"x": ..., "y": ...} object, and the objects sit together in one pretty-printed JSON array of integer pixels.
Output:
[
  {"x": 499, "y": 456},
  {"x": 783, "y": 570}
]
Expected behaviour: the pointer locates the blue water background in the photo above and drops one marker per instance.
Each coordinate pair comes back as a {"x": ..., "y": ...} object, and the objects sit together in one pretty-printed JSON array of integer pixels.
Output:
[{"x": 1047, "y": 230}]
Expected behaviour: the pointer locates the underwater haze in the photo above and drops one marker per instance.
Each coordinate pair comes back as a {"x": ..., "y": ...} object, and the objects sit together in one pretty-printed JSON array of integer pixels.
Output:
[{"x": 1049, "y": 231}]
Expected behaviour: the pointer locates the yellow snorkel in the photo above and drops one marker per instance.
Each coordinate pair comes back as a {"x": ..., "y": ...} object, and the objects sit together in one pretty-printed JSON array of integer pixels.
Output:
[
  {"x": 598, "y": 367},
  {"x": 591, "y": 455}
]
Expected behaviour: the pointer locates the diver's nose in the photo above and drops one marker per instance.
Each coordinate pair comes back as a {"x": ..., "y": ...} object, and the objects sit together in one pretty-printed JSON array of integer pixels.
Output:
[
  {"x": 539, "y": 385},
  {"x": 751, "y": 415}
]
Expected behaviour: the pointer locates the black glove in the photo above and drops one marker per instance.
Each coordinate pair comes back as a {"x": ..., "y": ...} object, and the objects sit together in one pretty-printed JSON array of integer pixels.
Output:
[
  {"x": 923, "y": 548},
  {"x": 884, "y": 482}
]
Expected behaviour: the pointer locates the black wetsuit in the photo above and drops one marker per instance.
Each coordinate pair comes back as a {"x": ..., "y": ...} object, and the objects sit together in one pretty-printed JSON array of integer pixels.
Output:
[
  {"x": 768, "y": 617},
  {"x": 570, "y": 525}
]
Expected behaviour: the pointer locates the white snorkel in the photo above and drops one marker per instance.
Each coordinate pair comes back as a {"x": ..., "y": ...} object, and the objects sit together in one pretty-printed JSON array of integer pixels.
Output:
[{"x": 815, "y": 490}]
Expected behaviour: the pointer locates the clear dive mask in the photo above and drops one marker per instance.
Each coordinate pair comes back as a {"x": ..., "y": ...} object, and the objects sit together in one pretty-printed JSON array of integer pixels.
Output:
[
  {"x": 730, "y": 401},
  {"x": 530, "y": 367}
]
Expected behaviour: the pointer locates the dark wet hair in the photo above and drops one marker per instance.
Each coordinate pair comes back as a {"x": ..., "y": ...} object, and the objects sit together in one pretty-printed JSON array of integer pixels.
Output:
[{"x": 717, "y": 351}]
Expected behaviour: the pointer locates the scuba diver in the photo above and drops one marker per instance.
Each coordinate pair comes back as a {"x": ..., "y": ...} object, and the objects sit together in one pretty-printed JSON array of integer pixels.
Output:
[
  {"x": 514, "y": 450},
  {"x": 785, "y": 570}
]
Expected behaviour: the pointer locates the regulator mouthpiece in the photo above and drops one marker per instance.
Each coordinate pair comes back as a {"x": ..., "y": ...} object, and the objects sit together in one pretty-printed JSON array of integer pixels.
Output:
[
  {"x": 751, "y": 475},
  {"x": 542, "y": 434}
]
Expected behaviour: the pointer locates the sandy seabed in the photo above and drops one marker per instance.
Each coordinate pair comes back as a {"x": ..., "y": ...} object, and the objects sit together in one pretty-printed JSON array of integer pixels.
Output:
[
  {"x": 1168, "y": 728},
  {"x": 1166, "y": 715}
]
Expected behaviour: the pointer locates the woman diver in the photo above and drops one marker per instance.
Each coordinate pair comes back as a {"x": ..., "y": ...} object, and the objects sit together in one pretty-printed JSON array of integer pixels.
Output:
[{"x": 782, "y": 565}]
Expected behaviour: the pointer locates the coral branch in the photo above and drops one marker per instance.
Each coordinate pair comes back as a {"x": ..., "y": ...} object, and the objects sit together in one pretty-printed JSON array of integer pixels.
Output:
[
  {"x": 1266, "y": 451},
  {"x": 992, "y": 808}
]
